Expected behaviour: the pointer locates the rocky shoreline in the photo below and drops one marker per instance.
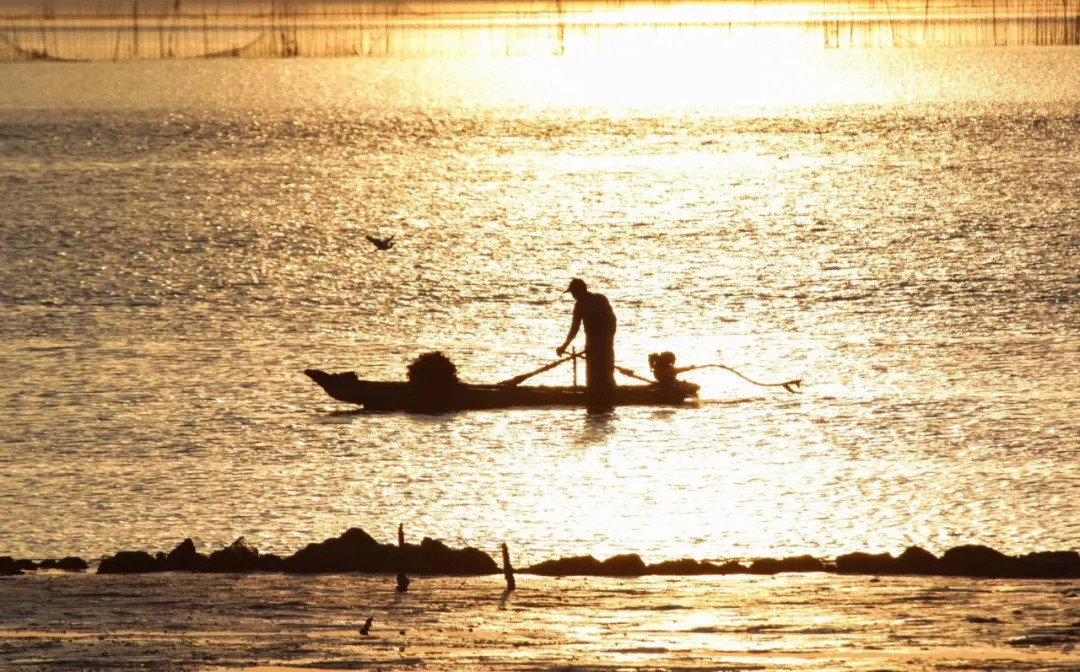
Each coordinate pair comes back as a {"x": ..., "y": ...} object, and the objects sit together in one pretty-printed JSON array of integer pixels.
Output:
[{"x": 357, "y": 551}]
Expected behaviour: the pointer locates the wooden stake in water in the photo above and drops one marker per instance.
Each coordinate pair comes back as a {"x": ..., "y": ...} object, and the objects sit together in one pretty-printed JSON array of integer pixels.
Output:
[
  {"x": 402, "y": 580},
  {"x": 508, "y": 570}
]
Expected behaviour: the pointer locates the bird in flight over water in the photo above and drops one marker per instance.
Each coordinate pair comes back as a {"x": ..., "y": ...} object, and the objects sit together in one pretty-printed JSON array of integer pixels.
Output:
[{"x": 381, "y": 243}]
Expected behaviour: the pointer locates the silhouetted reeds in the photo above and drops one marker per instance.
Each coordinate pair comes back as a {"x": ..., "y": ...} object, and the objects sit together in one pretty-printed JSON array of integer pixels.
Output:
[
  {"x": 164, "y": 29},
  {"x": 903, "y": 23}
]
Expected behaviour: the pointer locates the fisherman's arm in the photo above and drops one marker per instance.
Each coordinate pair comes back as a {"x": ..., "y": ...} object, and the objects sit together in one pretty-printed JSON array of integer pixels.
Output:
[{"x": 574, "y": 326}]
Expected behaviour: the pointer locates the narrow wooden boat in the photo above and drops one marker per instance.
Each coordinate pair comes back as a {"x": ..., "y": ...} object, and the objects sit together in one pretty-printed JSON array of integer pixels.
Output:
[{"x": 402, "y": 396}]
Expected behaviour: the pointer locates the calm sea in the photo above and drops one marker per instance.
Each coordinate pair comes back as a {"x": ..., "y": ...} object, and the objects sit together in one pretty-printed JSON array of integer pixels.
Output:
[{"x": 897, "y": 227}]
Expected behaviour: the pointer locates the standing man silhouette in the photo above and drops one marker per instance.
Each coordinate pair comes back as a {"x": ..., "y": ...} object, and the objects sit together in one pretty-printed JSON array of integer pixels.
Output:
[{"x": 594, "y": 310}]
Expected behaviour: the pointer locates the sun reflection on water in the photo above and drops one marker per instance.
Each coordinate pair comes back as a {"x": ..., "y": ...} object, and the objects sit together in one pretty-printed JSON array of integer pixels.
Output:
[{"x": 826, "y": 215}]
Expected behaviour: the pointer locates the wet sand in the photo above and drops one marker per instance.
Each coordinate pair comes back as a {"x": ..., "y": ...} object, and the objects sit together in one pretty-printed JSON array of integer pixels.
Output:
[{"x": 815, "y": 621}]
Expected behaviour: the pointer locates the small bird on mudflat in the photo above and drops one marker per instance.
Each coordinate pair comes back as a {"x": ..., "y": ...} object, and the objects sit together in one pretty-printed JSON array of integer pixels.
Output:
[
  {"x": 381, "y": 243},
  {"x": 367, "y": 625}
]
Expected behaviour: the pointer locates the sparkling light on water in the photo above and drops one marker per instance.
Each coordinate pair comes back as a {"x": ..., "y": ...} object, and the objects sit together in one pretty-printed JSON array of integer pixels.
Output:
[{"x": 897, "y": 229}]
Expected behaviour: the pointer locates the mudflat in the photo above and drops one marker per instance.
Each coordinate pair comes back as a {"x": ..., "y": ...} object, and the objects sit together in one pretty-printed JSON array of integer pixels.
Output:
[{"x": 272, "y": 621}]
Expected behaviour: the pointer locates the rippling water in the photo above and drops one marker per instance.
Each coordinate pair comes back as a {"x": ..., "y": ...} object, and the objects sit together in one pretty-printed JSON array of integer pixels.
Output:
[{"x": 179, "y": 240}]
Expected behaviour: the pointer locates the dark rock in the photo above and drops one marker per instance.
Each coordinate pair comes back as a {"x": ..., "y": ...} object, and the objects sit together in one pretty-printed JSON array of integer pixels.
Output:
[
  {"x": 797, "y": 563},
  {"x": 354, "y": 537},
  {"x": 586, "y": 565},
  {"x": 976, "y": 560},
  {"x": 26, "y": 565},
  {"x": 353, "y": 551},
  {"x": 1050, "y": 564},
  {"x": 629, "y": 564},
  {"x": 238, "y": 556},
  {"x": 580, "y": 565},
  {"x": 47, "y": 563},
  {"x": 129, "y": 562},
  {"x": 270, "y": 563},
  {"x": 8, "y": 566},
  {"x": 72, "y": 563},
  {"x": 435, "y": 557},
  {"x": 867, "y": 563},
  {"x": 184, "y": 558},
  {"x": 731, "y": 567},
  {"x": 357, "y": 551},
  {"x": 473, "y": 561},
  {"x": 915, "y": 560},
  {"x": 683, "y": 567}
]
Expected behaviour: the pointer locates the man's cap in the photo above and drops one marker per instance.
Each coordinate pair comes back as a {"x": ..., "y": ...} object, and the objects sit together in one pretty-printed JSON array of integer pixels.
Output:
[{"x": 577, "y": 283}]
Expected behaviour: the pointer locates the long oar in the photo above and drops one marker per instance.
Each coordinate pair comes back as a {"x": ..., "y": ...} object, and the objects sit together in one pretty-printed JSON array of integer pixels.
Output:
[
  {"x": 630, "y": 372},
  {"x": 517, "y": 380},
  {"x": 788, "y": 385}
]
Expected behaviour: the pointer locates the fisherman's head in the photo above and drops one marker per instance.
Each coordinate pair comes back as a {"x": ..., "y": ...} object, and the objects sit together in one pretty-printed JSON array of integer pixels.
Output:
[{"x": 577, "y": 288}]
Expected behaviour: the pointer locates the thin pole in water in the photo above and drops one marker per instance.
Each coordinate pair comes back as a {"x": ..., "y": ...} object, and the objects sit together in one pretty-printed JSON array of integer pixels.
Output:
[
  {"x": 402, "y": 580},
  {"x": 508, "y": 569}
]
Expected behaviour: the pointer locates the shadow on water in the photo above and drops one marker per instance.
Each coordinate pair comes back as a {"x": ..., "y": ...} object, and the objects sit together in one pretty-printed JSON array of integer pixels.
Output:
[
  {"x": 731, "y": 402},
  {"x": 597, "y": 429},
  {"x": 345, "y": 416},
  {"x": 596, "y": 424}
]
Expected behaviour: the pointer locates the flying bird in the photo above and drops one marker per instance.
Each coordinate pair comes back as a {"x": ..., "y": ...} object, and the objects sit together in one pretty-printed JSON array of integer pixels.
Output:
[{"x": 381, "y": 243}]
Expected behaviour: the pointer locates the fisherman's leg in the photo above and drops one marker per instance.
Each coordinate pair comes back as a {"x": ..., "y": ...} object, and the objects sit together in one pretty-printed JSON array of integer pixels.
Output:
[
  {"x": 594, "y": 373},
  {"x": 602, "y": 393},
  {"x": 609, "y": 364},
  {"x": 597, "y": 396}
]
